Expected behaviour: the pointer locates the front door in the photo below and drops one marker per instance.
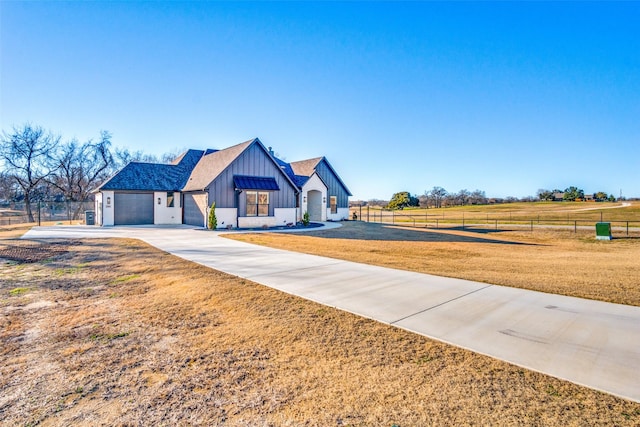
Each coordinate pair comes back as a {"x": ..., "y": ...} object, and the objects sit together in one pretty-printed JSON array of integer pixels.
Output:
[{"x": 314, "y": 205}]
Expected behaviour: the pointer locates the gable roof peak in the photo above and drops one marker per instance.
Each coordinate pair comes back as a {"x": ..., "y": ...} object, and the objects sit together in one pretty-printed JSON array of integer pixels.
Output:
[{"x": 306, "y": 167}]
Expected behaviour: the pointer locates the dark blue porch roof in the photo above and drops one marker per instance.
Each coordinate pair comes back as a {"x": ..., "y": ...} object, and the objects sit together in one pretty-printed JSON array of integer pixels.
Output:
[
  {"x": 246, "y": 182},
  {"x": 298, "y": 180}
]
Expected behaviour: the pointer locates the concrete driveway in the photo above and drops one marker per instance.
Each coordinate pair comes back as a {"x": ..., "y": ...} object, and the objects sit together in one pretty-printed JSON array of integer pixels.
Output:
[{"x": 595, "y": 344}]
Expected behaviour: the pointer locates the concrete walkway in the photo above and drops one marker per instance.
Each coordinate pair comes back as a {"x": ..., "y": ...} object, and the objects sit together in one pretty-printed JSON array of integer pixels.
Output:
[{"x": 595, "y": 344}]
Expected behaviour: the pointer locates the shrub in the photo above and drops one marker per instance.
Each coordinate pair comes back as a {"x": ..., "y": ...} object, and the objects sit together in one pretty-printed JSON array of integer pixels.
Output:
[
  {"x": 305, "y": 219},
  {"x": 213, "y": 221}
]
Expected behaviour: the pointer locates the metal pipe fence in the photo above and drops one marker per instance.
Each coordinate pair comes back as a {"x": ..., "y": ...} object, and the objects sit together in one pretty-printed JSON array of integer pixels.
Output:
[
  {"x": 44, "y": 211},
  {"x": 626, "y": 227}
]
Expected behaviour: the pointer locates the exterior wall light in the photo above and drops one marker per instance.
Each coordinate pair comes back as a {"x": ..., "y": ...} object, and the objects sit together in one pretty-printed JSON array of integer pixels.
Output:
[
  {"x": 159, "y": 201},
  {"x": 108, "y": 201}
]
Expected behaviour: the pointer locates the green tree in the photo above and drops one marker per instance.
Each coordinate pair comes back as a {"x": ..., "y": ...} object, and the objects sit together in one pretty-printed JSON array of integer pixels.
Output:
[
  {"x": 213, "y": 221},
  {"x": 402, "y": 200},
  {"x": 545, "y": 195},
  {"x": 571, "y": 194}
]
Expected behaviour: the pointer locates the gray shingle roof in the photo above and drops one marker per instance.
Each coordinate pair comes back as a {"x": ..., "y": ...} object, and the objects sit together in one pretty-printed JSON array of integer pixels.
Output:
[
  {"x": 305, "y": 167},
  {"x": 194, "y": 170},
  {"x": 298, "y": 180},
  {"x": 138, "y": 176}
]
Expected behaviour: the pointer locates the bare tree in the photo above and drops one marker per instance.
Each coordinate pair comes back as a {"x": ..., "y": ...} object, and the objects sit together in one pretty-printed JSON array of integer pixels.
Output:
[
  {"x": 122, "y": 157},
  {"x": 81, "y": 168},
  {"x": 8, "y": 190},
  {"x": 437, "y": 195},
  {"x": 463, "y": 197},
  {"x": 478, "y": 197},
  {"x": 26, "y": 154}
]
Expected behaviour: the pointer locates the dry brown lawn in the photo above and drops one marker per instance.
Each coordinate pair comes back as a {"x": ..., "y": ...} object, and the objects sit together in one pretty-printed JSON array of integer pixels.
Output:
[
  {"x": 546, "y": 260},
  {"x": 114, "y": 332}
]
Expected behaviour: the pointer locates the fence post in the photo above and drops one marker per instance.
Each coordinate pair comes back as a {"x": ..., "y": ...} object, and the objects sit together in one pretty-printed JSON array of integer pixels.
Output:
[
  {"x": 367, "y": 213},
  {"x": 575, "y": 226},
  {"x": 531, "y": 225},
  {"x": 437, "y": 223},
  {"x": 627, "y": 228},
  {"x": 39, "y": 205},
  {"x": 496, "y": 225}
]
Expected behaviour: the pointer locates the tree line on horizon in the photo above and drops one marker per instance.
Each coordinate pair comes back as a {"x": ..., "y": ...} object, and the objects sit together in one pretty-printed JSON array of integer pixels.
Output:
[
  {"x": 38, "y": 166},
  {"x": 438, "y": 197}
]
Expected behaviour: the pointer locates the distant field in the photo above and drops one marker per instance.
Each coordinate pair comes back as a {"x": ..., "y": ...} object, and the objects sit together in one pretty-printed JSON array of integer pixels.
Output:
[{"x": 536, "y": 214}]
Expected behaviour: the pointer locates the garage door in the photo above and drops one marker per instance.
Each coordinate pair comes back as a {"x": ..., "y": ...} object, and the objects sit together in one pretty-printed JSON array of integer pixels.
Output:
[
  {"x": 133, "y": 208},
  {"x": 195, "y": 207}
]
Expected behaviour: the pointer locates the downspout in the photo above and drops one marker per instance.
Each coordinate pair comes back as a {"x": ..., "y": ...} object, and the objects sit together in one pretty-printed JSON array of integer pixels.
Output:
[
  {"x": 237, "y": 205},
  {"x": 206, "y": 217}
]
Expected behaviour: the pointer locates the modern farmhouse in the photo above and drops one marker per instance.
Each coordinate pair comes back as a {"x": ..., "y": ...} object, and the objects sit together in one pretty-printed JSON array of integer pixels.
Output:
[{"x": 248, "y": 184}]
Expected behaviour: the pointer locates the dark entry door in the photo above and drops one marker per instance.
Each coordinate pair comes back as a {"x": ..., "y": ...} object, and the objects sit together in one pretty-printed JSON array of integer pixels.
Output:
[{"x": 195, "y": 207}]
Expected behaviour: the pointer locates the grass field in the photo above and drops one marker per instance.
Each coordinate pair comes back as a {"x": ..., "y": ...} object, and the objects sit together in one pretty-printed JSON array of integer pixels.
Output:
[
  {"x": 92, "y": 335},
  {"x": 536, "y": 213}
]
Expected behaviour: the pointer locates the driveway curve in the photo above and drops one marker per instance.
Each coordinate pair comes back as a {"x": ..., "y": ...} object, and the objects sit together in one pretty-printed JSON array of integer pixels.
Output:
[{"x": 591, "y": 343}]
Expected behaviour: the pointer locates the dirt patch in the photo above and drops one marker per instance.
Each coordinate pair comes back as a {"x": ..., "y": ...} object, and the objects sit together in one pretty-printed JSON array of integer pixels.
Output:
[
  {"x": 32, "y": 251},
  {"x": 134, "y": 336}
]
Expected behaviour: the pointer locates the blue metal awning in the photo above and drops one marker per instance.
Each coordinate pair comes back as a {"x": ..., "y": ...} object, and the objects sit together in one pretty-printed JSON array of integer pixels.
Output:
[{"x": 246, "y": 182}]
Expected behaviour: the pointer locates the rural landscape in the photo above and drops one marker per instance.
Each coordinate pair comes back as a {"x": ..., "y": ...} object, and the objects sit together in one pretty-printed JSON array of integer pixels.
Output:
[
  {"x": 92, "y": 335},
  {"x": 319, "y": 213}
]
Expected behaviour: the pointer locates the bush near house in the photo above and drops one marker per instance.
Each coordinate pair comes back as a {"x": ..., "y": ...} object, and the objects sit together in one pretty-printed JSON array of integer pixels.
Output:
[{"x": 213, "y": 221}]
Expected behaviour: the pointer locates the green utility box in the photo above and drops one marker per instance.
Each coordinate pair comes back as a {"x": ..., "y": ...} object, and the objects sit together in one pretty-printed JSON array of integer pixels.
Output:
[{"x": 603, "y": 230}]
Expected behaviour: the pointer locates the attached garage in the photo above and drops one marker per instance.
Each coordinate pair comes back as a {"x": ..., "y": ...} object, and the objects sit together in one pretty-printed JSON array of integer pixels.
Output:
[
  {"x": 133, "y": 208},
  {"x": 195, "y": 208}
]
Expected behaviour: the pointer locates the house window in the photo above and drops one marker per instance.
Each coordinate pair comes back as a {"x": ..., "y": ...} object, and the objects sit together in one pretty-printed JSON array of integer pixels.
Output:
[
  {"x": 257, "y": 203},
  {"x": 170, "y": 199},
  {"x": 333, "y": 202}
]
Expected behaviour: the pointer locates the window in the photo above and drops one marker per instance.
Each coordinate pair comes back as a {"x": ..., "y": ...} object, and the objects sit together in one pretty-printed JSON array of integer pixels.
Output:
[
  {"x": 333, "y": 202},
  {"x": 257, "y": 203},
  {"x": 170, "y": 202}
]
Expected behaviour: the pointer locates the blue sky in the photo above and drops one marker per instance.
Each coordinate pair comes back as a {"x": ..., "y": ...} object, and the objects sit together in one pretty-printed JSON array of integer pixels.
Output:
[{"x": 502, "y": 97}]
